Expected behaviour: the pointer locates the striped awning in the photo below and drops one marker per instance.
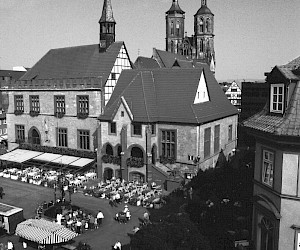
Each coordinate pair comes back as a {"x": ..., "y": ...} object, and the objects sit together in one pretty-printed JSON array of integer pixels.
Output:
[{"x": 44, "y": 232}]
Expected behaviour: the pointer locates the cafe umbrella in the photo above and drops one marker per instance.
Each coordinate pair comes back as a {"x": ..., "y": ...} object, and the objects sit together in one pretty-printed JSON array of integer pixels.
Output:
[{"x": 44, "y": 232}]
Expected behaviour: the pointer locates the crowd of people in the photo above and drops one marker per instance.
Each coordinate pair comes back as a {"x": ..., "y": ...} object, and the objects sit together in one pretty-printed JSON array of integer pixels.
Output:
[{"x": 132, "y": 192}]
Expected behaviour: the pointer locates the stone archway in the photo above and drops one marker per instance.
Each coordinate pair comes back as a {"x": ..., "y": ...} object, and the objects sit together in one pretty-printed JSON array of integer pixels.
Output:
[
  {"x": 34, "y": 136},
  {"x": 137, "y": 176},
  {"x": 108, "y": 174}
]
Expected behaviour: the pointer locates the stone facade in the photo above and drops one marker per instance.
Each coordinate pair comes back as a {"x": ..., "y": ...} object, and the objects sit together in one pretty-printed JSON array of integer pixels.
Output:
[
  {"x": 189, "y": 143},
  {"x": 46, "y": 121}
]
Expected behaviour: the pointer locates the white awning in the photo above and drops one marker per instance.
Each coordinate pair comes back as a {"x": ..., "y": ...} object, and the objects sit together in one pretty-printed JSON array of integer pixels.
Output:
[
  {"x": 81, "y": 162},
  {"x": 47, "y": 157},
  {"x": 66, "y": 159},
  {"x": 19, "y": 155}
]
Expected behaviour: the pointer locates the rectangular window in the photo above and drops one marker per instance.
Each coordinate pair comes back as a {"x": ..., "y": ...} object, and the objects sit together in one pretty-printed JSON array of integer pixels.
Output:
[
  {"x": 217, "y": 139},
  {"x": 153, "y": 129},
  {"x": 230, "y": 133},
  {"x": 20, "y": 133},
  {"x": 19, "y": 103},
  {"x": 268, "y": 168},
  {"x": 5, "y": 131},
  {"x": 207, "y": 134},
  {"x": 34, "y": 103},
  {"x": 4, "y": 121},
  {"x": 59, "y": 105},
  {"x": 168, "y": 143},
  {"x": 0, "y": 131},
  {"x": 277, "y": 92},
  {"x": 83, "y": 104},
  {"x": 62, "y": 137},
  {"x": 112, "y": 128},
  {"x": 84, "y": 139},
  {"x": 137, "y": 129}
]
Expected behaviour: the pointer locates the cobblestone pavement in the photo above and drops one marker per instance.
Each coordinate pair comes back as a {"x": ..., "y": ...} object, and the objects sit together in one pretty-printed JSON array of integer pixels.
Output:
[{"x": 28, "y": 196}]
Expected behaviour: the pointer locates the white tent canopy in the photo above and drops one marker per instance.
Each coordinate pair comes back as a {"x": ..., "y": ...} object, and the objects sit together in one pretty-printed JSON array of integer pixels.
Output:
[{"x": 44, "y": 232}]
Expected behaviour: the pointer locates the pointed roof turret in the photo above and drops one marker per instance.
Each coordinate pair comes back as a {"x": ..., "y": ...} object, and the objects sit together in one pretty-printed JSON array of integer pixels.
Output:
[
  {"x": 107, "y": 13},
  {"x": 204, "y": 9},
  {"x": 175, "y": 8}
]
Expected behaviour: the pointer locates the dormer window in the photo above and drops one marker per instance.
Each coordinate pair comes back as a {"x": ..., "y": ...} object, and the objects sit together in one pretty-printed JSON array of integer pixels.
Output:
[{"x": 277, "y": 98}]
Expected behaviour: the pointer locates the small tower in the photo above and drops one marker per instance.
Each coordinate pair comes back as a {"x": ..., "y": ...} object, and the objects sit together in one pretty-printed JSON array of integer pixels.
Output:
[
  {"x": 107, "y": 25},
  {"x": 174, "y": 28},
  {"x": 204, "y": 34}
]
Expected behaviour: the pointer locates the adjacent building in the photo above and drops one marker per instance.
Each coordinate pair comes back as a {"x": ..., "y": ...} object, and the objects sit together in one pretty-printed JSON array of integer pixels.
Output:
[
  {"x": 165, "y": 120},
  {"x": 234, "y": 95},
  {"x": 276, "y": 221},
  {"x": 54, "y": 107}
]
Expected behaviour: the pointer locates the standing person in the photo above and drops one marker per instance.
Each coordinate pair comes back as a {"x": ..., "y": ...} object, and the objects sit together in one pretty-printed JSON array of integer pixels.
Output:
[
  {"x": 24, "y": 245},
  {"x": 10, "y": 245},
  {"x": 146, "y": 217},
  {"x": 117, "y": 245},
  {"x": 1, "y": 193},
  {"x": 100, "y": 217}
]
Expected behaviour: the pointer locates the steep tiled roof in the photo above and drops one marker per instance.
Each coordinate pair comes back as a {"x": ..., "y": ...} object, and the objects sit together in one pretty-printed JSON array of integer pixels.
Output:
[
  {"x": 166, "y": 58},
  {"x": 204, "y": 10},
  {"x": 146, "y": 63},
  {"x": 167, "y": 95},
  {"x": 289, "y": 123},
  {"x": 11, "y": 73},
  {"x": 75, "y": 62}
]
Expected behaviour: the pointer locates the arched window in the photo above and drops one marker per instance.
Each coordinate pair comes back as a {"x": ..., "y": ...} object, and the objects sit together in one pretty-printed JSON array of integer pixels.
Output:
[
  {"x": 177, "y": 28},
  {"x": 207, "y": 25},
  {"x": 172, "y": 28},
  {"x": 109, "y": 150},
  {"x": 35, "y": 136},
  {"x": 137, "y": 152},
  {"x": 201, "y": 25},
  {"x": 172, "y": 46},
  {"x": 119, "y": 150},
  {"x": 267, "y": 234},
  {"x": 201, "y": 45}
]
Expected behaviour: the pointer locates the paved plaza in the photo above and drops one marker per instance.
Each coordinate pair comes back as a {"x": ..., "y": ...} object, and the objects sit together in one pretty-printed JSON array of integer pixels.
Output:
[{"x": 28, "y": 196}]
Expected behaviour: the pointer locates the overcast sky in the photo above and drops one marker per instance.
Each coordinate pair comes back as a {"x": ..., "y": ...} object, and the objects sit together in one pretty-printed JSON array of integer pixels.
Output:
[{"x": 251, "y": 36}]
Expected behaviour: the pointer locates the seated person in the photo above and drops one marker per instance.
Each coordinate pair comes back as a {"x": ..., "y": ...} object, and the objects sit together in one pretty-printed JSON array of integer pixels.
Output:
[
  {"x": 128, "y": 215},
  {"x": 135, "y": 229}
]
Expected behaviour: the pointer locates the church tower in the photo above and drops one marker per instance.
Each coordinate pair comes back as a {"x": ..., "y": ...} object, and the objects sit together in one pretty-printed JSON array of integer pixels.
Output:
[
  {"x": 107, "y": 25},
  {"x": 174, "y": 28},
  {"x": 204, "y": 35}
]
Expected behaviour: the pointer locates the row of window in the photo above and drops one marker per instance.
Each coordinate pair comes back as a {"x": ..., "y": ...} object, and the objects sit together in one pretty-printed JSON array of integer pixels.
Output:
[
  {"x": 59, "y": 104},
  {"x": 136, "y": 128},
  {"x": 3, "y": 131},
  {"x": 168, "y": 138},
  {"x": 83, "y": 137},
  {"x": 3, "y": 121},
  {"x": 207, "y": 139}
]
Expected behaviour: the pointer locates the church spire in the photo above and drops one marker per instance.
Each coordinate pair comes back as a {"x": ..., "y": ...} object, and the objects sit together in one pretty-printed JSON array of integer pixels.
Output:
[{"x": 107, "y": 25}]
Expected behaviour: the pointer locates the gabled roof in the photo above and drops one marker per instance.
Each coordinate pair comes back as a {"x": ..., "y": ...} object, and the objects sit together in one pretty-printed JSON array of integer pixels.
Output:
[
  {"x": 167, "y": 59},
  {"x": 167, "y": 95},
  {"x": 75, "y": 62},
  {"x": 289, "y": 123},
  {"x": 146, "y": 63}
]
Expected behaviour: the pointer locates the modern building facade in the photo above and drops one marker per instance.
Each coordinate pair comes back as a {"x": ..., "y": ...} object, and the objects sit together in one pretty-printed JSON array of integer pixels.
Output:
[
  {"x": 200, "y": 46},
  {"x": 165, "y": 120},
  {"x": 276, "y": 221}
]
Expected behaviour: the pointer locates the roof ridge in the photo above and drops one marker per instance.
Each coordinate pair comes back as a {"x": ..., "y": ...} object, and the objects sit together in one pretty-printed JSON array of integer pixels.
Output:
[{"x": 145, "y": 96}]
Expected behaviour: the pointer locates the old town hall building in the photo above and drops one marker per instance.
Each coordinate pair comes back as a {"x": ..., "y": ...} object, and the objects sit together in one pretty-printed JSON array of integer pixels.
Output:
[
  {"x": 55, "y": 105},
  {"x": 200, "y": 46}
]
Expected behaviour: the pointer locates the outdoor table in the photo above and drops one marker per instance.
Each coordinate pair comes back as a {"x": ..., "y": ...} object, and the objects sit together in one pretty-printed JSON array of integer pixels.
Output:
[
  {"x": 14, "y": 177},
  {"x": 52, "y": 178},
  {"x": 1, "y": 174}
]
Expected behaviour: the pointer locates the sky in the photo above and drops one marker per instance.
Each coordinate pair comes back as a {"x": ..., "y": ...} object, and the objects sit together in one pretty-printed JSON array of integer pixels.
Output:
[{"x": 251, "y": 36}]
